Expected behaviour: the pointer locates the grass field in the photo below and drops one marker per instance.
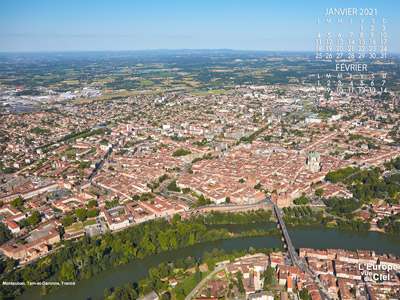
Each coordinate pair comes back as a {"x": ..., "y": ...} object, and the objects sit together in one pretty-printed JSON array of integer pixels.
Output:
[
  {"x": 184, "y": 107},
  {"x": 304, "y": 102},
  {"x": 190, "y": 283},
  {"x": 146, "y": 82},
  {"x": 74, "y": 228},
  {"x": 90, "y": 222},
  {"x": 375, "y": 200}
]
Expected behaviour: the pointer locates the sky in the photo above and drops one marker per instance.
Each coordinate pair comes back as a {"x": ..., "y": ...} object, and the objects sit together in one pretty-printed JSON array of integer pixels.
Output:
[{"x": 90, "y": 25}]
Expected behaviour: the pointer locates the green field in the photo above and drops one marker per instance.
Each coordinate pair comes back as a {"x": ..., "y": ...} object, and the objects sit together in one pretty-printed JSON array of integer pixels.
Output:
[
  {"x": 111, "y": 79},
  {"x": 181, "y": 107},
  {"x": 375, "y": 200},
  {"x": 190, "y": 283},
  {"x": 304, "y": 102},
  {"x": 90, "y": 222},
  {"x": 74, "y": 228},
  {"x": 146, "y": 82}
]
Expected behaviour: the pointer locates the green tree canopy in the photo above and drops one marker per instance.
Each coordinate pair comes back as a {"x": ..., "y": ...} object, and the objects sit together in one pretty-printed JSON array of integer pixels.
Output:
[
  {"x": 5, "y": 233},
  {"x": 34, "y": 218}
]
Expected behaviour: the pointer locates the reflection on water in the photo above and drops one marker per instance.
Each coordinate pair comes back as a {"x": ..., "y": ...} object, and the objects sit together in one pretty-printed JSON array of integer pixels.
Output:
[
  {"x": 302, "y": 237},
  {"x": 238, "y": 228}
]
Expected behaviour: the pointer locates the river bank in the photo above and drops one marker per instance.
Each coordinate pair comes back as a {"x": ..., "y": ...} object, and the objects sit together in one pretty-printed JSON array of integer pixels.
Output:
[{"x": 315, "y": 237}]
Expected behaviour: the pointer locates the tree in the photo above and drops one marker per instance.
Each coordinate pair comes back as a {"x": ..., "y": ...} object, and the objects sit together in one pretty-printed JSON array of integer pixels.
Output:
[
  {"x": 166, "y": 296},
  {"x": 257, "y": 186},
  {"x": 240, "y": 282},
  {"x": 270, "y": 277},
  {"x": 336, "y": 176},
  {"x": 304, "y": 294},
  {"x": 228, "y": 200},
  {"x": 68, "y": 270},
  {"x": 203, "y": 201},
  {"x": 176, "y": 218},
  {"x": 301, "y": 200},
  {"x": 181, "y": 152},
  {"x": 81, "y": 214},
  {"x": 34, "y": 218},
  {"x": 173, "y": 187},
  {"x": 92, "y": 213},
  {"x": 23, "y": 223},
  {"x": 17, "y": 202},
  {"x": 61, "y": 230},
  {"x": 319, "y": 192},
  {"x": 341, "y": 206},
  {"x": 5, "y": 233},
  {"x": 210, "y": 265},
  {"x": 67, "y": 221},
  {"x": 3, "y": 266},
  {"x": 197, "y": 274},
  {"x": 10, "y": 263},
  {"x": 208, "y": 294},
  {"x": 92, "y": 203},
  {"x": 107, "y": 292}
]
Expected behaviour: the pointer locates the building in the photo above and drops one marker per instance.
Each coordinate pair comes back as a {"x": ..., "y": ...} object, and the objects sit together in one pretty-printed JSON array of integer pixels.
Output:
[
  {"x": 281, "y": 199},
  {"x": 151, "y": 296},
  {"x": 33, "y": 249},
  {"x": 313, "y": 162},
  {"x": 264, "y": 295},
  {"x": 313, "y": 120},
  {"x": 13, "y": 226}
]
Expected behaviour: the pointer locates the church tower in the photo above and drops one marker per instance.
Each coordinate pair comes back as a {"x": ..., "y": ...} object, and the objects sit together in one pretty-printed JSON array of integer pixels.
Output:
[{"x": 314, "y": 162}]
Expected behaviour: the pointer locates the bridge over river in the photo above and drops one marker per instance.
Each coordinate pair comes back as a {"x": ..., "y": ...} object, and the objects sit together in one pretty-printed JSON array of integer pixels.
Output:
[
  {"x": 297, "y": 262},
  {"x": 292, "y": 252}
]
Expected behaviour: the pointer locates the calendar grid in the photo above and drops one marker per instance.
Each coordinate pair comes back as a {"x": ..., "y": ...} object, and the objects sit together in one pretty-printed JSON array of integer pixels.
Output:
[{"x": 353, "y": 41}]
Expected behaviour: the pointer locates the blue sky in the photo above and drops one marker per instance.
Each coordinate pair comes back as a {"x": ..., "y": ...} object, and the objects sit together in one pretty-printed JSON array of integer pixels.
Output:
[{"x": 286, "y": 25}]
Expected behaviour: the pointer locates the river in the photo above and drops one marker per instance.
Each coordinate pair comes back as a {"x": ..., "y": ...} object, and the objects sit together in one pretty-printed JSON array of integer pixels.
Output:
[{"x": 302, "y": 237}]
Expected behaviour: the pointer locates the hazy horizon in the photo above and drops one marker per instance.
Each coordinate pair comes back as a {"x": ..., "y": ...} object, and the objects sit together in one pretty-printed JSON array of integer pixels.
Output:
[
  {"x": 166, "y": 50},
  {"x": 52, "y": 26}
]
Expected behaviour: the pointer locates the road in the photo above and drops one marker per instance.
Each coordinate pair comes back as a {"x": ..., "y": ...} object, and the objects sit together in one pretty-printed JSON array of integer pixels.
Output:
[
  {"x": 100, "y": 165},
  {"x": 205, "y": 279},
  {"x": 163, "y": 186},
  {"x": 293, "y": 255}
]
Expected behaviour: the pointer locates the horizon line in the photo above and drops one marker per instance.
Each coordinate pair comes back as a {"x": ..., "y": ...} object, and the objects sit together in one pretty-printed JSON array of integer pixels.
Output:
[
  {"x": 155, "y": 49},
  {"x": 165, "y": 49}
]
